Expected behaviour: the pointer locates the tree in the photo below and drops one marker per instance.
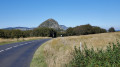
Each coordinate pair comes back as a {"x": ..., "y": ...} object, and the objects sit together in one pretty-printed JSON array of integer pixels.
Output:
[
  {"x": 43, "y": 31},
  {"x": 83, "y": 29},
  {"x": 16, "y": 34},
  {"x": 69, "y": 31},
  {"x": 7, "y": 33},
  {"x": 111, "y": 29},
  {"x": 98, "y": 30},
  {"x": 1, "y": 33}
]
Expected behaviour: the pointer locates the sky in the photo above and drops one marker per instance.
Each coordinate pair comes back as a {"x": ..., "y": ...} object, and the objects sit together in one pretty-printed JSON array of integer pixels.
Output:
[{"x": 71, "y": 13}]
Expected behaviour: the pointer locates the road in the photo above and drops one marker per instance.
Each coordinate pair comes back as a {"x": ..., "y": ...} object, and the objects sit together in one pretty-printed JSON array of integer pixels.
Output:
[{"x": 19, "y": 54}]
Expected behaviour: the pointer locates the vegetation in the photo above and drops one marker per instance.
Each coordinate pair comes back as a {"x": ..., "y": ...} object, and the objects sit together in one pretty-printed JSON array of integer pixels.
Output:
[
  {"x": 59, "y": 51},
  {"x": 50, "y": 32},
  {"x": 69, "y": 31},
  {"x": 111, "y": 29},
  {"x": 84, "y": 30},
  {"x": 99, "y": 58},
  {"x": 44, "y": 32},
  {"x": 39, "y": 58},
  {"x": 14, "y": 40}
]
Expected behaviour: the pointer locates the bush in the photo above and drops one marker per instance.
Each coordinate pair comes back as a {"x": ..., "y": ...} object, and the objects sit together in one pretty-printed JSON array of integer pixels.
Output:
[
  {"x": 111, "y": 29},
  {"x": 100, "y": 58}
]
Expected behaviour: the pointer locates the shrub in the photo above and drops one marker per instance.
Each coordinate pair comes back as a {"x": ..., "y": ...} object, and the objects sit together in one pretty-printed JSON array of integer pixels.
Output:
[
  {"x": 100, "y": 58},
  {"x": 111, "y": 29}
]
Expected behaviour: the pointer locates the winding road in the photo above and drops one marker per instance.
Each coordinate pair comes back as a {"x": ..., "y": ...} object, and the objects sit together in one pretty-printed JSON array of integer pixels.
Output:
[{"x": 19, "y": 54}]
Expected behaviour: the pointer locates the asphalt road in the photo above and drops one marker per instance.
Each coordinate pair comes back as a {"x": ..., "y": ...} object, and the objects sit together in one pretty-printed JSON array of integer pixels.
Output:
[{"x": 19, "y": 54}]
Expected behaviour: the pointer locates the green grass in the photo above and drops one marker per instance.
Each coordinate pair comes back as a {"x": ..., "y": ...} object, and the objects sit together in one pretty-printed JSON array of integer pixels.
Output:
[
  {"x": 39, "y": 59},
  {"x": 96, "y": 58}
]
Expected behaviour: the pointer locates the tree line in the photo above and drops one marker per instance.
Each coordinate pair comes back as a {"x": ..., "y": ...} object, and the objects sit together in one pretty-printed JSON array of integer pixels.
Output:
[
  {"x": 86, "y": 29},
  {"x": 43, "y": 32},
  {"x": 49, "y": 32}
]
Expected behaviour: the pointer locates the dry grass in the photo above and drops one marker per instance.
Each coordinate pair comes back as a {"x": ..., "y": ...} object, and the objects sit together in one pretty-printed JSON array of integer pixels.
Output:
[
  {"x": 5, "y": 41},
  {"x": 57, "y": 52}
]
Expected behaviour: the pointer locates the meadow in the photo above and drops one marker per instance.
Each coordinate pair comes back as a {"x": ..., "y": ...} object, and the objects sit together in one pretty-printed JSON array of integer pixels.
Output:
[{"x": 58, "y": 52}]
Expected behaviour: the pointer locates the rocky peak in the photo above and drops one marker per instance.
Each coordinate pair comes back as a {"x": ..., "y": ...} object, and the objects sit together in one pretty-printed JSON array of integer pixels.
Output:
[{"x": 50, "y": 23}]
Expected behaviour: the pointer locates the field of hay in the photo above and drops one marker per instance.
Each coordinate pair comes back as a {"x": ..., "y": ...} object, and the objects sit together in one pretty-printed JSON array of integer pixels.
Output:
[
  {"x": 10, "y": 40},
  {"x": 57, "y": 52}
]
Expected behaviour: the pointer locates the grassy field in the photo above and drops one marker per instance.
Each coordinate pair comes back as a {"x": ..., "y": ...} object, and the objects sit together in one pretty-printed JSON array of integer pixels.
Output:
[
  {"x": 7, "y": 41},
  {"x": 58, "y": 52}
]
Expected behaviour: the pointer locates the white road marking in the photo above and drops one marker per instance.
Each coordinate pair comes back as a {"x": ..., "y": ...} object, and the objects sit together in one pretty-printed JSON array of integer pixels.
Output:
[
  {"x": 1, "y": 50},
  {"x": 8, "y": 48},
  {"x": 15, "y": 46}
]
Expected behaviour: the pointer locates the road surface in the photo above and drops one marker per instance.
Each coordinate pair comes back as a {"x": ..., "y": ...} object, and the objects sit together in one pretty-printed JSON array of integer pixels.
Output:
[{"x": 19, "y": 54}]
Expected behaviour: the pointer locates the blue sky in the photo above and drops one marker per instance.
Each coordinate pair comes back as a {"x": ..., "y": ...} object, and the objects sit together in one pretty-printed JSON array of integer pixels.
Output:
[{"x": 71, "y": 13}]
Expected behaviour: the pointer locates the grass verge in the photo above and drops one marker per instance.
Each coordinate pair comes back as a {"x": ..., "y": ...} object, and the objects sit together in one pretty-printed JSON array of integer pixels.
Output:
[
  {"x": 39, "y": 58},
  {"x": 8, "y": 41}
]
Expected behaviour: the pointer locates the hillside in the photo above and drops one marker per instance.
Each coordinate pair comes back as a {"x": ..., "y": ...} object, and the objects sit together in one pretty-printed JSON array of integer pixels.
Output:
[
  {"x": 51, "y": 23},
  {"x": 57, "y": 52}
]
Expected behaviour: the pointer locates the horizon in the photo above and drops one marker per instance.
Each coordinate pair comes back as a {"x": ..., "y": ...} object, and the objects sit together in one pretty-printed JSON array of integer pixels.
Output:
[{"x": 71, "y": 13}]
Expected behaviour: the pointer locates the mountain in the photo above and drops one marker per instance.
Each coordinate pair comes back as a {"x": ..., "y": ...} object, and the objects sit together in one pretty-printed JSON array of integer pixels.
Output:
[
  {"x": 63, "y": 27},
  {"x": 51, "y": 23},
  {"x": 19, "y": 28}
]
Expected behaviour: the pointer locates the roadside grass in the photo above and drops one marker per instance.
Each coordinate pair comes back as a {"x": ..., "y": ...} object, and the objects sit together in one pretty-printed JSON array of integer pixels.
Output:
[
  {"x": 14, "y": 40},
  {"x": 58, "y": 51},
  {"x": 39, "y": 58}
]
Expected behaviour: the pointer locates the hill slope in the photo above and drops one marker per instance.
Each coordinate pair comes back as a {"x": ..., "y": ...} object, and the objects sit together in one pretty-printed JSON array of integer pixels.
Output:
[{"x": 50, "y": 23}]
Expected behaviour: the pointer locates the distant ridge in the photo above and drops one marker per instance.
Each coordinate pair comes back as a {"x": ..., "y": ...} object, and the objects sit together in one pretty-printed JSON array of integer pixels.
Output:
[
  {"x": 63, "y": 27},
  {"x": 19, "y": 28}
]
